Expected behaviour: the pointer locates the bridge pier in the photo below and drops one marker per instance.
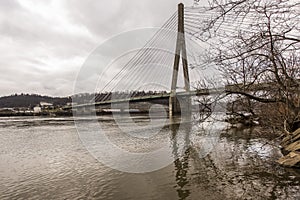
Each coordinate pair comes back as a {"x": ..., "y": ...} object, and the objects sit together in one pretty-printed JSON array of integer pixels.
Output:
[
  {"x": 174, "y": 106},
  {"x": 182, "y": 106}
]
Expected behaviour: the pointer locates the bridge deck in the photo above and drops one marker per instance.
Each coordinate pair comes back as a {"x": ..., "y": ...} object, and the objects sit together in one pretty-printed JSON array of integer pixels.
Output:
[{"x": 201, "y": 92}]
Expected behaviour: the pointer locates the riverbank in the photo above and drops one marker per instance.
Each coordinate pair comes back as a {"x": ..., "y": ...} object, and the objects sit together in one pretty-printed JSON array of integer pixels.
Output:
[{"x": 43, "y": 113}]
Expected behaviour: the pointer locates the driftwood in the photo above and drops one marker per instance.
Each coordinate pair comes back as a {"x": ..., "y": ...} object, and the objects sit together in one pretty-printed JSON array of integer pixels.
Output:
[
  {"x": 290, "y": 160},
  {"x": 291, "y": 138},
  {"x": 291, "y": 145}
]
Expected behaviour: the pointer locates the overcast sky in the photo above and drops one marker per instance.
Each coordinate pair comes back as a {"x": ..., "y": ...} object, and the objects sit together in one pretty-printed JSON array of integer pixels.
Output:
[{"x": 43, "y": 43}]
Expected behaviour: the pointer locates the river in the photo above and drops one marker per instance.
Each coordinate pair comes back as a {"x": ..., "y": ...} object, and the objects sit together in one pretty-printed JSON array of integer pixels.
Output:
[{"x": 47, "y": 158}]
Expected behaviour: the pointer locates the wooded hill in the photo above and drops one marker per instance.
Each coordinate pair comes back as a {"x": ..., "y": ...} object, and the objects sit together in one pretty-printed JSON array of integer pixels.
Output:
[{"x": 31, "y": 100}]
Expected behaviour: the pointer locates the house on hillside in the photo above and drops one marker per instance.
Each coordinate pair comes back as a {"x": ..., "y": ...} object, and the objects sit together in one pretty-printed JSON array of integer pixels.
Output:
[
  {"x": 37, "y": 109},
  {"x": 46, "y": 105},
  {"x": 42, "y": 106}
]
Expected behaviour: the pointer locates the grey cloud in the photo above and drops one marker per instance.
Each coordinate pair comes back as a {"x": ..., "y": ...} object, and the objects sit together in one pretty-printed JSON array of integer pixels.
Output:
[
  {"x": 39, "y": 55},
  {"x": 112, "y": 17},
  {"x": 10, "y": 5}
]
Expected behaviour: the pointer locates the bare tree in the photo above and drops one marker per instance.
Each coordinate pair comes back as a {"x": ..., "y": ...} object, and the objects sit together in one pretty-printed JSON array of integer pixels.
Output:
[{"x": 256, "y": 44}]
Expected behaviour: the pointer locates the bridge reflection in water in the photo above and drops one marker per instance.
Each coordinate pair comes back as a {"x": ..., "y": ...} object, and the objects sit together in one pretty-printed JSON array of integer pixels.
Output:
[{"x": 236, "y": 165}]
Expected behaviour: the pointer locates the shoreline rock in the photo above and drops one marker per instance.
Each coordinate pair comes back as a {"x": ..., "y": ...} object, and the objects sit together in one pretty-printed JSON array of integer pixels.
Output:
[{"x": 291, "y": 148}]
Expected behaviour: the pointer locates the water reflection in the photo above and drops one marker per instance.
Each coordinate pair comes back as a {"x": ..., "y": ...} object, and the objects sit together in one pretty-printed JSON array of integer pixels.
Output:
[
  {"x": 181, "y": 163},
  {"x": 198, "y": 142},
  {"x": 46, "y": 160},
  {"x": 238, "y": 166}
]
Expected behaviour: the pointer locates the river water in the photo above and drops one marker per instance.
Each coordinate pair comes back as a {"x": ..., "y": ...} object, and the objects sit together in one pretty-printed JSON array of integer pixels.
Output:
[{"x": 46, "y": 158}]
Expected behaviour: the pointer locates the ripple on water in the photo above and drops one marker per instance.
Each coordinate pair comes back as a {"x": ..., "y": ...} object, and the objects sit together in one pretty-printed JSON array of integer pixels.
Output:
[{"x": 43, "y": 158}]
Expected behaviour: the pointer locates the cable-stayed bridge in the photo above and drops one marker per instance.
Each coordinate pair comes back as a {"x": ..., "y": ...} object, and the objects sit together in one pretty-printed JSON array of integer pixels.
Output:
[{"x": 157, "y": 66}]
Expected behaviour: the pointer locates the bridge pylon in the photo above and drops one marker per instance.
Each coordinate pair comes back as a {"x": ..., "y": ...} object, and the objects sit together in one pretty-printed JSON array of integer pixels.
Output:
[{"x": 175, "y": 104}]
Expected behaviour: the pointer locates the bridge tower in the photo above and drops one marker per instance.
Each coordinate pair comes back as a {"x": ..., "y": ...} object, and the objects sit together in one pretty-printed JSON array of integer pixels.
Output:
[{"x": 180, "y": 51}]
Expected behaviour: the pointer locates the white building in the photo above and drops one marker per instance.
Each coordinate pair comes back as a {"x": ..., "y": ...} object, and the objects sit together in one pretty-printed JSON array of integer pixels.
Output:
[
  {"x": 37, "y": 109},
  {"x": 45, "y": 104}
]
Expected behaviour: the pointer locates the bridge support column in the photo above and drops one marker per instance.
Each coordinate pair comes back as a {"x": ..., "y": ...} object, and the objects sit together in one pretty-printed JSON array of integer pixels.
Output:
[
  {"x": 174, "y": 106},
  {"x": 174, "y": 103}
]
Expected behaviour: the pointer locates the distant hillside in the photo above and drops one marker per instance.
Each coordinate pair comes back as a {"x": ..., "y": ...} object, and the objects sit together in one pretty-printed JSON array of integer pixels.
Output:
[{"x": 30, "y": 100}]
